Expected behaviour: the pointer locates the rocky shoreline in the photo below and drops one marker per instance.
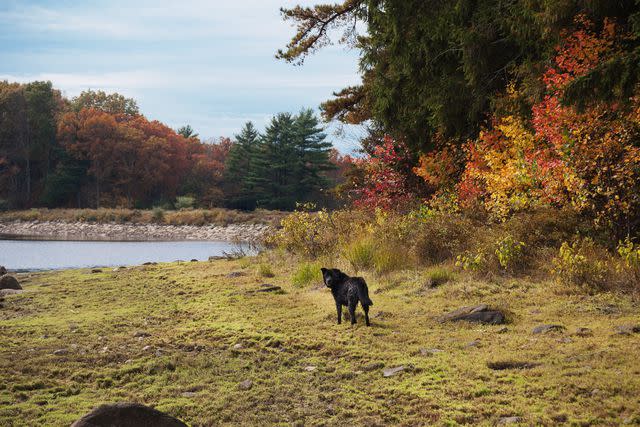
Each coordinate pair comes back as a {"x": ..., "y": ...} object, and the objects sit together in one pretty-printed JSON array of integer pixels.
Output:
[{"x": 60, "y": 230}]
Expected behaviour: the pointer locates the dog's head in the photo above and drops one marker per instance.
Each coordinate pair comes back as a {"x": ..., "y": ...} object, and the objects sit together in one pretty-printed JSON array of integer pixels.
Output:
[{"x": 332, "y": 276}]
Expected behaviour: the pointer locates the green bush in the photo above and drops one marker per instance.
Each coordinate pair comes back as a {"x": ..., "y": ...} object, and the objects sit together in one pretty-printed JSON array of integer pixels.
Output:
[
  {"x": 306, "y": 274},
  {"x": 184, "y": 202},
  {"x": 265, "y": 270},
  {"x": 472, "y": 261},
  {"x": 581, "y": 264},
  {"x": 438, "y": 276},
  {"x": 509, "y": 252}
]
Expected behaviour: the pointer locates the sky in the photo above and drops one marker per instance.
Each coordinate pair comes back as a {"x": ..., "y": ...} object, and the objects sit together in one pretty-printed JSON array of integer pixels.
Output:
[{"x": 207, "y": 63}]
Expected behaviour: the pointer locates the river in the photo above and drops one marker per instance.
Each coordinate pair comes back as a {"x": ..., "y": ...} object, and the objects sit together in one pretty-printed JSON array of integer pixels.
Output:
[{"x": 28, "y": 255}]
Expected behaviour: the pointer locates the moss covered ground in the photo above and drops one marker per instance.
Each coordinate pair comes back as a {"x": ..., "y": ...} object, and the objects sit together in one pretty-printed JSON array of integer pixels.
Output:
[{"x": 184, "y": 337}]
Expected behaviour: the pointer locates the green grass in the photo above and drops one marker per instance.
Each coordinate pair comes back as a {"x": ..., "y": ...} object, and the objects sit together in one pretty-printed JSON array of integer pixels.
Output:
[{"x": 195, "y": 316}]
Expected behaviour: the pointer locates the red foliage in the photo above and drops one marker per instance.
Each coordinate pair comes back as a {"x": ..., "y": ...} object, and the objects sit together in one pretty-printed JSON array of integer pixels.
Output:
[{"x": 385, "y": 184}]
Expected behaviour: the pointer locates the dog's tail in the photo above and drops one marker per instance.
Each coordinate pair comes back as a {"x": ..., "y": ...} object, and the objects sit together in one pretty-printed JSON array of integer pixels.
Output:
[{"x": 363, "y": 293}]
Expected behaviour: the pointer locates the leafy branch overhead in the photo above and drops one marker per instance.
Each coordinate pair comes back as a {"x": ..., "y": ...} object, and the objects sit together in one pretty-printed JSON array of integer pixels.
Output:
[{"x": 314, "y": 25}]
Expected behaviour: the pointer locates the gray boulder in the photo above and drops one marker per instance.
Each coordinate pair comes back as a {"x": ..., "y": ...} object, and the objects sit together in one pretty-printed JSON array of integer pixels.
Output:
[
  {"x": 477, "y": 313},
  {"x": 127, "y": 415},
  {"x": 9, "y": 282}
]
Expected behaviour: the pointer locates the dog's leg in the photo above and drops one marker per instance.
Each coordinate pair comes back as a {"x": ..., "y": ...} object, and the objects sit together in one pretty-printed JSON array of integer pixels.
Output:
[
  {"x": 366, "y": 314},
  {"x": 352, "y": 311},
  {"x": 339, "y": 309}
]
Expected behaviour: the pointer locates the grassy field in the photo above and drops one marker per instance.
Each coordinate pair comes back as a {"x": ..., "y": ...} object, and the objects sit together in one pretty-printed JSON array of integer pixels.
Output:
[
  {"x": 183, "y": 337},
  {"x": 215, "y": 216}
]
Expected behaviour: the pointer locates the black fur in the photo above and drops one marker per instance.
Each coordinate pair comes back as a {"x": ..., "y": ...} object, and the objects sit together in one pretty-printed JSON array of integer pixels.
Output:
[{"x": 347, "y": 291}]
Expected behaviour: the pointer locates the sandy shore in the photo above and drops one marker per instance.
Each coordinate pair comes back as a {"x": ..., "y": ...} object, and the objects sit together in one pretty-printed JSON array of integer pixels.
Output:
[{"x": 59, "y": 230}]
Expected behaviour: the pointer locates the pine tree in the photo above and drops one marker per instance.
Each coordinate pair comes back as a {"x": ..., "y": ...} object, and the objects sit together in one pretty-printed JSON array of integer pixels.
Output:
[
  {"x": 272, "y": 174},
  {"x": 312, "y": 156},
  {"x": 239, "y": 163}
]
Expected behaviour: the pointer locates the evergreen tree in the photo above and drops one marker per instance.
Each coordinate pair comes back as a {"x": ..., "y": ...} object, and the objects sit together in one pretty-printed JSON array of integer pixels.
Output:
[
  {"x": 239, "y": 190},
  {"x": 287, "y": 166},
  {"x": 271, "y": 174},
  {"x": 312, "y": 156}
]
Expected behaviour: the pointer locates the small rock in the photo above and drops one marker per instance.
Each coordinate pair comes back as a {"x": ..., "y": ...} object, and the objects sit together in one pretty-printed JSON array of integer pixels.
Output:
[
  {"x": 510, "y": 364},
  {"x": 627, "y": 329},
  {"x": 96, "y": 270},
  {"x": 608, "y": 309},
  {"x": 389, "y": 372},
  {"x": 245, "y": 385},
  {"x": 310, "y": 368},
  {"x": 545, "y": 329},
  {"x": 235, "y": 274},
  {"x": 146, "y": 348},
  {"x": 509, "y": 420},
  {"x": 474, "y": 343},
  {"x": 583, "y": 332},
  {"x": 238, "y": 346},
  {"x": 477, "y": 313},
  {"x": 9, "y": 282},
  {"x": 4, "y": 292},
  {"x": 104, "y": 349},
  {"x": 268, "y": 288},
  {"x": 373, "y": 366},
  {"x": 61, "y": 352},
  {"x": 430, "y": 351},
  {"x": 502, "y": 330},
  {"x": 141, "y": 334},
  {"x": 188, "y": 394},
  {"x": 596, "y": 392}
]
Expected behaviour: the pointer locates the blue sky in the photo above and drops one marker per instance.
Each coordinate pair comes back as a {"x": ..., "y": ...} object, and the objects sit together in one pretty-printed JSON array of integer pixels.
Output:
[{"x": 206, "y": 63}]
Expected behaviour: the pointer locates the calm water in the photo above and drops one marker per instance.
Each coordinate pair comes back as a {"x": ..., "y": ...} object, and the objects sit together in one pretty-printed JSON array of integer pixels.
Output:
[{"x": 45, "y": 255}]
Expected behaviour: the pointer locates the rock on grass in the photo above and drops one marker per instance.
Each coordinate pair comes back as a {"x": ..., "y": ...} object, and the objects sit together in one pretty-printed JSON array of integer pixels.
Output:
[
  {"x": 127, "y": 415},
  {"x": 545, "y": 329},
  {"x": 476, "y": 313},
  {"x": 9, "y": 282}
]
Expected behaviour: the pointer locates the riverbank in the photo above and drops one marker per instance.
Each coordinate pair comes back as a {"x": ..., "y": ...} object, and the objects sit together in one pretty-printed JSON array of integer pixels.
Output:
[
  {"x": 205, "y": 342},
  {"x": 199, "y": 217},
  {"x": 60, "y": 230}
]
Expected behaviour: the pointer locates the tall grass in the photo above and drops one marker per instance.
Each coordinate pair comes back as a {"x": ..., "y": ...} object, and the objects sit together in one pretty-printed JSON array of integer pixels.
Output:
[{"x": 306, "y": 274}]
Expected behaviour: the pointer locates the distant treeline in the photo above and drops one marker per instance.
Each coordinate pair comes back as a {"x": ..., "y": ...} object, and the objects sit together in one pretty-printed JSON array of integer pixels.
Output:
[{"x": 97, "y": 150}]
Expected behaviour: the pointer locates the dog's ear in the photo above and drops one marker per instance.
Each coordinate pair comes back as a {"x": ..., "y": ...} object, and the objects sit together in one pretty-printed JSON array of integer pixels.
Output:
[{"x": 324, "y": 270}]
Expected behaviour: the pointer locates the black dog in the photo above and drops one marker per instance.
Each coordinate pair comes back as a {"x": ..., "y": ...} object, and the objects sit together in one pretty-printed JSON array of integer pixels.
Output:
[{"x": 347, "y": 291}]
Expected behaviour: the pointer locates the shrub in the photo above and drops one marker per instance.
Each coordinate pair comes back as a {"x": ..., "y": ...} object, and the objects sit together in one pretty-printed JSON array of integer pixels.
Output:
[
  {"x": 184, "y": 202},
  {"x": 306, "y": 274},
  {"x": 581, "y": 264},
  {"x": 388, "y": 258},
  {"x": 630, "y": 254},
  {"x": 360, "y": 254},
  {"x": 264, "y": 270},
  {"x": 438, "y": 237},
  {"x": 158, "y": 214},
  {"x": 471, "y": 261},
  {"x": 438, "y": 276},
  {"x": 509, "y": 252}
]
